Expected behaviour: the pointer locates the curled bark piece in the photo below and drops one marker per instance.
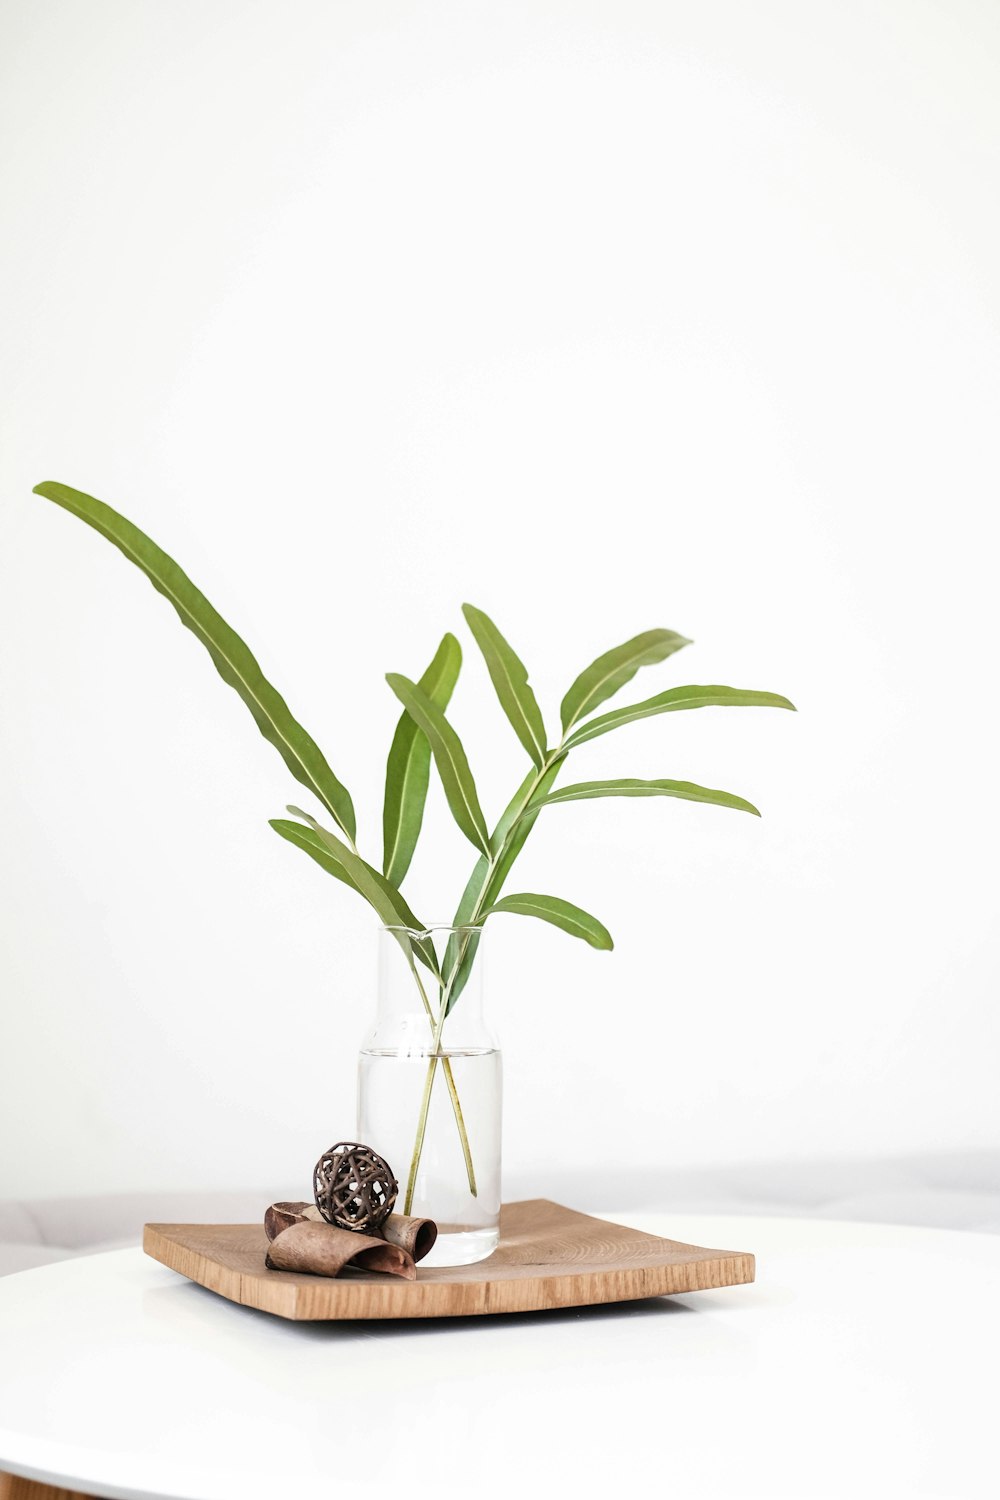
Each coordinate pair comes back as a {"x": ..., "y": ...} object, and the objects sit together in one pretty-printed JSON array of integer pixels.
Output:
[
  {"x": 415, "y": 1236},
  {"x": 281, "y": 1215},
  {"x": 323, "y": 1250}
]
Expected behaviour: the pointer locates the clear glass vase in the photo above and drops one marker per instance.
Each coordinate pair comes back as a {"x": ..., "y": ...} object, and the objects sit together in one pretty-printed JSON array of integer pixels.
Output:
[{"x": 430, "y": 1087}]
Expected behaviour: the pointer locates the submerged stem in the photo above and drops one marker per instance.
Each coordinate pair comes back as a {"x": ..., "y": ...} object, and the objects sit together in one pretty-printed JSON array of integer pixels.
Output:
[
  {"x": 425, "y": 1102},
  {"x": 456, "y": 1103},
  {"x": 418, "y": 1145},
  {"x": 463, "y": 1135}
]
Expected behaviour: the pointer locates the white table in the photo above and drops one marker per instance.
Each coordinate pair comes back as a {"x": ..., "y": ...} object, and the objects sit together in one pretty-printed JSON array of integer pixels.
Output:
[{"x": 861, "y": 1363}]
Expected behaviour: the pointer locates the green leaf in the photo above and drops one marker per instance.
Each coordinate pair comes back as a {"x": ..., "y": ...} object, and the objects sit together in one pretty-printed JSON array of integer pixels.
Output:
[
  {"x": 233, "y": 660},
  {"x": 514, "y": 828},
  {"x": 562, "y": 914},
  {"x": 408, "y": 769},
  {"x": 483, "y": 886},
  {"x": 310, "y": 842},
  {"x": 612, "y": 670},
  {"x": 688, "y": 791},
  {"x": 377, "y": 891},
  {"x": 449, "y": 756},
  {"x": 510, "y": 678},
  {"x": 673, "y": 699}
]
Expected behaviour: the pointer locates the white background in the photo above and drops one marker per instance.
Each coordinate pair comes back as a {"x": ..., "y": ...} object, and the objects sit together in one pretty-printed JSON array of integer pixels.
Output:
[{"x": 604, "y": 316}]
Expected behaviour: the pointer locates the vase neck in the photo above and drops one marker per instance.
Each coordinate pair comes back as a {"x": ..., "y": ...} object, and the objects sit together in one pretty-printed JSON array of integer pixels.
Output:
[{"x": 422, "y": 972}]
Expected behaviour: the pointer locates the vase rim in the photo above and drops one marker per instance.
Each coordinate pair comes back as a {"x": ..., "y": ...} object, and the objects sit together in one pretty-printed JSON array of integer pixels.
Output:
[{"x": 431, "y": 928}]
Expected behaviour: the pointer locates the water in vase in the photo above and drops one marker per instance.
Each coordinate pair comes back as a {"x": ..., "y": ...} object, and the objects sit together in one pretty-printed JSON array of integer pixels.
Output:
[{"x": 391, "y": 1087}]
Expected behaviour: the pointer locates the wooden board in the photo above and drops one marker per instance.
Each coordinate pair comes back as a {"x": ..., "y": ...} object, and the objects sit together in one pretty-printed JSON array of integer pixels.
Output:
[
  {"x": 548, "y": 1256},
  {"x": 13, "y": 1487}
]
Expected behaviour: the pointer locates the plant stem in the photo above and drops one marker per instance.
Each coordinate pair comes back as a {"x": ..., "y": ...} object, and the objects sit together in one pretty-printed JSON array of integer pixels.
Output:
[
  {"x": 418, "y": 1145},
  {"x": 463, "y": 1136},
  {"x": 456, "y": 1103},
  {"x": 425, "y": 1102}
]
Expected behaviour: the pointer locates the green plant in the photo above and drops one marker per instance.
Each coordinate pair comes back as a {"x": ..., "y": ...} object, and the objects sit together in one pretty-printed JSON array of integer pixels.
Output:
[{"x": 424, "y": 733}]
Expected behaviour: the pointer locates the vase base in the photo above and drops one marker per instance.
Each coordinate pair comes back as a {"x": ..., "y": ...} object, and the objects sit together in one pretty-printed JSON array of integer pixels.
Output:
[{"x": 461, "y": 1247}]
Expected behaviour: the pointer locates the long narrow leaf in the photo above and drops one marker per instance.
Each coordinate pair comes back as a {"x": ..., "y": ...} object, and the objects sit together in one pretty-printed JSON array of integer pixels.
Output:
[
  {"x": 233, "y": 659},
  {"x": 674, "y": 699},
  {"x": 450, "y": 758},
  {"x": 514, "y": 832},
  {"x": 515, "y": 813},
  {"x": 377, "y": 891},
  {"x": 310, "y": 843},
  {"x": 408, "y": 769},
  {"x": 616, "y": 667},
  {"x": 486, "y": 881},
  {"x": 510, "y": 679},
  {"x": 457, "y": 955},
  {"x": 562, "y": 914},
  {"x": 688, "y": 791}
]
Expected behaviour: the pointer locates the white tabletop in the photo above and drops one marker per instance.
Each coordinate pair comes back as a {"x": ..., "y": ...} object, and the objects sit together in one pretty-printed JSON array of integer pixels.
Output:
[{"x": 861, "y": 1363}]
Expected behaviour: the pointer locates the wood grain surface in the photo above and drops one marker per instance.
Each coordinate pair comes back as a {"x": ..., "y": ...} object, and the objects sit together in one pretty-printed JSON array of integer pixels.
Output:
[
  {"x": 13, "y": 1487},
  {"x": 548, "y": 1256}
]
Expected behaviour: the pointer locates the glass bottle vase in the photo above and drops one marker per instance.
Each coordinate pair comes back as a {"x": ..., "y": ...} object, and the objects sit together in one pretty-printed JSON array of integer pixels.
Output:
[{"x": 430, "y": 1087}]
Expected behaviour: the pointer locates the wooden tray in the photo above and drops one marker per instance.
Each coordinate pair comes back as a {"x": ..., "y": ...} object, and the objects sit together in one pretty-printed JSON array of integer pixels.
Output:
[{"x": 548, "y": 1256}]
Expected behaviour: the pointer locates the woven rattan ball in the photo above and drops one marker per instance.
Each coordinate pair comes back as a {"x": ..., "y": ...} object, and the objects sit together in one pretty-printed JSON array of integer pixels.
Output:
[{"x": 354, "y": 1187}]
